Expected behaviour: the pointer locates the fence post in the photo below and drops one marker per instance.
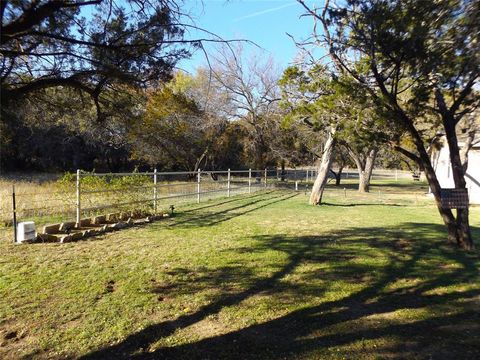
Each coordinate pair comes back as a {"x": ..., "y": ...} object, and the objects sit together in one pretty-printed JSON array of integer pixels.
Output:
[
  {"x": 265, "y": 177},
  {"x": 228, "y": 183},
  {"x": 296, "y": 185},
  {"x": 14, "y": 208},
  {"x": 307, "y": 176},
  {"x": 198, "y": 185},
  {"x": 155, "y": 191},
  {"x": 249, "y": 181},
  {"x": 79, "y": 206}
]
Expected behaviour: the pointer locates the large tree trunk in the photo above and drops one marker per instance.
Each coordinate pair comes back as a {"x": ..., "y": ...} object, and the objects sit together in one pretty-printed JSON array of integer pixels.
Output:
[
  {"x": 463, "y": 236},
  {"x": 364, "y": 167},
  {"x": 458, "y": 228},
  {"x": 366, "y": 174},
  {"x": 466, "y": 148},
  {"x": 338, "y": 176},
  {"x": 323, "y": 169}
]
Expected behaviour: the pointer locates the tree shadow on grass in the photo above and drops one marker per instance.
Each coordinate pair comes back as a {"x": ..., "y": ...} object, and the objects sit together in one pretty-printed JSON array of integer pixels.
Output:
[
  {"x": 238, "y": 198},
  {"x": 361, "y": 204},
  {"x": 403, "y": 269},
  {"x": 247, "y": 205}
]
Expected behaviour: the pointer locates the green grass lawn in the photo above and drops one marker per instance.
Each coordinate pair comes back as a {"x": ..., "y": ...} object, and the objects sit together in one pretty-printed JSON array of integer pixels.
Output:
[{"x": 263, "y": 276}]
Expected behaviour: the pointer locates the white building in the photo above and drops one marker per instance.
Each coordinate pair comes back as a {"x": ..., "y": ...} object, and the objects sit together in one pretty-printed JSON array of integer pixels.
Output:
[{"x": 443, "y": 169}]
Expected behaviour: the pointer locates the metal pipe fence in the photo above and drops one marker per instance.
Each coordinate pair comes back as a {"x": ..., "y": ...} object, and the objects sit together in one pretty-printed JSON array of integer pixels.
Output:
[{"x": 91, "y": 194}]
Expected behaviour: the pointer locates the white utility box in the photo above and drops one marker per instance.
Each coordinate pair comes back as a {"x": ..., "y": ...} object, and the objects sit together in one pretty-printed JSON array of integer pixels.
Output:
[{"x": 26, "y": 231}]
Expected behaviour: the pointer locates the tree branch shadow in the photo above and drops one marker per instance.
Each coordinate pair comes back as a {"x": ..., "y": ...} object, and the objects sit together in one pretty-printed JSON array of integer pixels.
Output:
[
  {"x": 210, "y": 218},
  {"x": 307, "y": 332},
  {"x": 215, "y": 203}
]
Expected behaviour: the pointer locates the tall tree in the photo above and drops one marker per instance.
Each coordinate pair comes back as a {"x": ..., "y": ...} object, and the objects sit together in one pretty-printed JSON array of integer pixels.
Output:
[
  {"x": 308, "y": 95},
  {"x": 251, "y": 84},
  {"x": 412, "y": 58},
  {"x": 170, "y": 132},
  {"x": 222, "y": 147},
  {"x": 323, "y": 101},
  {"x": 55, "y": 130}
]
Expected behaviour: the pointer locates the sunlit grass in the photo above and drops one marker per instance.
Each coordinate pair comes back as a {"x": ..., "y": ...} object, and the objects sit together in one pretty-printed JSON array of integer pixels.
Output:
[{"x": 259, "y": 276}]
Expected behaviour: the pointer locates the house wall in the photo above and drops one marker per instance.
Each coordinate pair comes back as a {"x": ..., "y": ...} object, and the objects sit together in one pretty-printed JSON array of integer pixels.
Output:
[
  {"x": 442, "y": 166},
  {"x": 473, "y": 176}
]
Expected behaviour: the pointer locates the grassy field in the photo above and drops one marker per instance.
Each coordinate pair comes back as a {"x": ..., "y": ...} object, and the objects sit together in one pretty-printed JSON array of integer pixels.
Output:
[{"x": 263, "y": 276}]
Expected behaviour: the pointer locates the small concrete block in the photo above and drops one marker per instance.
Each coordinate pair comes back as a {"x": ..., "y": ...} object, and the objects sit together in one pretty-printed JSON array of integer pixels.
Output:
[
  {"x": 51, "y": 229},
  {"x": 121, "y": 225},
  {"x": 94, "y": 232},
  {"x": 72, "y": 237},
  {"x": 47, "y": 238},
  {"x": 66, "y": 238},
  {"x": 111, "y": 227},
  {"x": 67, "y": 226},
  {"x": 113, "y": 217},
  {"x": 136, "y": 214},
  {"x": 118, "y": 226},
  {"x": 87, "y": 233},
  {"x": 85, "y": 222},
  {"x": 140, "y": 221},
  {"x": 77, "y": 236},
  {"x": 101, "y": 219}
]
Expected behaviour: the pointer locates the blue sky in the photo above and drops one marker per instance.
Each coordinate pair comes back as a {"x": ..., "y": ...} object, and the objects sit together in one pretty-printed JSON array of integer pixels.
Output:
[{"x": 264, "y": 22}]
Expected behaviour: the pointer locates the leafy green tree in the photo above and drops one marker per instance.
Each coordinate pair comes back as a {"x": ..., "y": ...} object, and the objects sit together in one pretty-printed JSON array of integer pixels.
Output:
[
  {"x": 223, "y": 147},
  {"x": 307, "y": 95},
  {"x": 412, "y": 58},
  {"x": 322, "y": 101},
  {"x": 169, "y": 133},
  {"x": 54, "y": 43}
]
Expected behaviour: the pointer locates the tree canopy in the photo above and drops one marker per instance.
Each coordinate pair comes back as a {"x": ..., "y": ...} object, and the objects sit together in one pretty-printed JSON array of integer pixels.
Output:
[
  {"x": 417, "y": 61},
  {"x": 92, "y": 46}
]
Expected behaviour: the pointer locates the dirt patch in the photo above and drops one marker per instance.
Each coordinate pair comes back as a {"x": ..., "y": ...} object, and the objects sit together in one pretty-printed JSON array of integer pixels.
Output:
[
  {"x": 109, "y": 288},
  {"x": 13, "y": 340}
]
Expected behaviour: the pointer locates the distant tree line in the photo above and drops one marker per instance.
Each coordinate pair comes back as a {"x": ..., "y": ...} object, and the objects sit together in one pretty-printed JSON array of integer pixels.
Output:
[
  {"x": 100, "y": 92},
  {"x": 187, "y": 123}
]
